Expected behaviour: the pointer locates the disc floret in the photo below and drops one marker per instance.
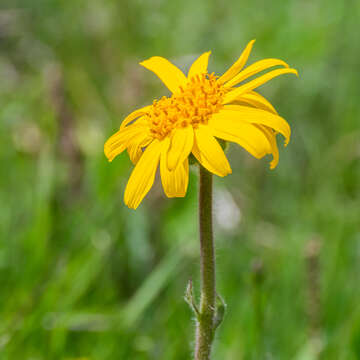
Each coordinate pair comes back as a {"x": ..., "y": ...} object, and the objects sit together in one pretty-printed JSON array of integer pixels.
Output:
[{"x": 194, "y": 104}]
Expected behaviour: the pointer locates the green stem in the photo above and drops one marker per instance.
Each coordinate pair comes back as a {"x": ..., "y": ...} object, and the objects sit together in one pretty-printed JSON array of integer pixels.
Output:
[{"x": 205, "y": 323}]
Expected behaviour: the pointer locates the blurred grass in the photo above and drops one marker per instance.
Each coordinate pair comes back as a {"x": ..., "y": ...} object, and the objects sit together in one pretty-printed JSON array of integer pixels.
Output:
[{"x": 83, "y": 277}]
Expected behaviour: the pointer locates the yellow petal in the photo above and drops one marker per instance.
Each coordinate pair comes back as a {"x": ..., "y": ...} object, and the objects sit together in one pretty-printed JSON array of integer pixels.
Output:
[
  {"x": 168, "y": 73},
  {"x": 142, "y": 177},
  {"x": 186, "y": 170},
  {"x": 135, "y": 148},
  {"x": 202, "y": 160},
  {"x": 238, "y": 65},
  {"x": 254, "y": 69},
  {"x": 174, "y": 182},
  {"x": 200, "y": 65},
  {"x": 119, "y": 141},
  {"x": 257, "y": 116},
  {"x": 134, "y": 153},
  {"x": 255, "y": 99},
  {"x": 182, "y": 141},
  {"x": 111, "y": 155},
  {"x": 209, "y": 153},
  {"x": 134, "y": 115},
  {"x": 251, "y": 85},
  {"x": 246, "y": 135},
  {"x": 271, "y": 136}
]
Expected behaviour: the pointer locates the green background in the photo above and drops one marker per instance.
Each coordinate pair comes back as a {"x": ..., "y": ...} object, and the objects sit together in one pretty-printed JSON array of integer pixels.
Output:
[{"x": 84, "y": 277}]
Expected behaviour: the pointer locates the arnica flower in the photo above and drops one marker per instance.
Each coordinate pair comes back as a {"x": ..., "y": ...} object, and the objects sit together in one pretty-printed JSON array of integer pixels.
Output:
[{"x": 203, "y": 107}]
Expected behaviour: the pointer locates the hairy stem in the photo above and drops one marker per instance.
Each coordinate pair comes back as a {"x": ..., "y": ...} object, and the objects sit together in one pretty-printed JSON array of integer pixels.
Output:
[{"x": 205, "y": 323}]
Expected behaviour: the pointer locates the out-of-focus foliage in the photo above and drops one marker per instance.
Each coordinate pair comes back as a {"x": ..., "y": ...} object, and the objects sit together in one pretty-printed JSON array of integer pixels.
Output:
[{"x": 83, "y": 277}]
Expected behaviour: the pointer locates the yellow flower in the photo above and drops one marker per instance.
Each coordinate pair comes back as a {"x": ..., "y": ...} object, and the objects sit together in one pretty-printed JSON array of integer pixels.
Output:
[{"x": 202, "y": 108}]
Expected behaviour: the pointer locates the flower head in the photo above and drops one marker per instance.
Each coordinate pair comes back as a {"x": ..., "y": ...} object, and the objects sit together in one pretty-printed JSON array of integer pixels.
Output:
[{"x": 202, "y": 108}]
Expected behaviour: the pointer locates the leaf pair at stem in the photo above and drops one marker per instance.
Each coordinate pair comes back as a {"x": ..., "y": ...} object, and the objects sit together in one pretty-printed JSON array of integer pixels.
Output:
[{"x": 220, "y": 306}]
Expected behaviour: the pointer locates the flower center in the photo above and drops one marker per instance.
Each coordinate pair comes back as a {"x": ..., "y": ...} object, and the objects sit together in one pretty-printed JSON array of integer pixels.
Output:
[{"x": 193, "y": 105}]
